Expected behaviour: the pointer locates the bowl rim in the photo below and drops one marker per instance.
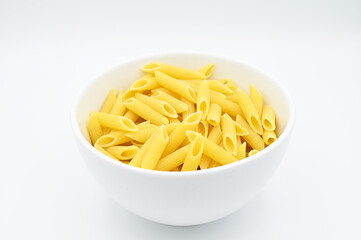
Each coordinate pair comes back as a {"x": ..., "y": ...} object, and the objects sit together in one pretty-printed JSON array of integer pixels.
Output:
[{"x": 248, "y": 160}]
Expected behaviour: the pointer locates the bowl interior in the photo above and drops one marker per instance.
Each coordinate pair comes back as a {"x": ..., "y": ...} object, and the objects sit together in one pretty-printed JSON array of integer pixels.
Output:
[{"x": 122, "y": 76}]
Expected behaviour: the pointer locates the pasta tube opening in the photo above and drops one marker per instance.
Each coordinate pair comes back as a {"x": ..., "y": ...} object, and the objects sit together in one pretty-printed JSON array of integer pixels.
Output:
[
  {"x": 151, "y": 67},
  {"x": 123, "y": 152}
]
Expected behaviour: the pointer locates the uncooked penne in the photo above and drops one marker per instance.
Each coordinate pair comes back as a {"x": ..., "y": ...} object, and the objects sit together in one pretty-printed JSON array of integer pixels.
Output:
[
  {"x": 194, "y": 154},
  {"x": 256, "y": 99},
  {"x": 94, "y": 128},
  {"x": 147, "y": 82},
  {"x": 207, "y": 70},
  {"x": 177, "y": 104},
  {"x": 214, "y": 114},
  {"x": 173, "y": 160},
  {"x": 112, "y": 139},
  {"x": 190, "y": 108},
  {"x": 252, "y": 138},
  {"x": 227, "y": 106},
  {"x": 173, "y": 71},
  {"x": 102, "y": 150},
  {"x": 160, "y": 106},
  {"x": 269, "y": 137},
  {"x": 229, "y": 134},
  {"x": 252, "y": 152},
  {"x": 176, "y": 86},
  {"x": 118, "y": 106},
  {"x": 241, "y": 153},
  {"x": 145, "y": 112},
  {"x": 108, "y": 104},
  {"x": 215, "y": 136},
  {"x": 116, "y": 122},
  {"x": 203, "y": 99},
  {"x": 202, "y": 128},
  {"x": 123, "y": 152},
  {"x": 131, "y": 116},
  {"x": 268, "y": 119}
]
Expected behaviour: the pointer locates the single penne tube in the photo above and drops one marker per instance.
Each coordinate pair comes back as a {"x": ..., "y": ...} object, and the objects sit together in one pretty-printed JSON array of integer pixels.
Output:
[
  {"x": 131, "y": 116},
  {"x": 102, "y": 150},
  {"x": 173, "y": 160},
  {"x": 177, "y": 104},
  {"x": 213, "y": 151},
  {"x": 241, "y": 153},
  {"x": 203, "y": 99},
  {"x": 112, "y": 139},
  {"x": 179, "y": 134},
  {"x": 215, "y": 136},
  {"x": 269, "y": 137},
  {"x": 118, "y": 106},
  {"x": 94, "y": 128},
  {"x": 123, "y": 152},
  {"x": 240, "y": 130},
  {"x": 249, "y": 111},
  {"x": 145, "y": 83},
  {"x": 176, "y": 86},
  {"x": 116, "y": 122},
  {"x": 252, "y": 152},
  {"x": 232, "y": 97},
  {"x": 145, "y": 112},
  {"x": 214, "y": 114},
  {"x": 174, "y": 120},
  {"x": 161, "y": 89},
  {"x": 268, "y": 119},
  {"x": 229, "y": 83},
  {"x": 202, "y": 128},
  {"x": 144, "y": 133},
  {"x": 219, "y": 87},
  {"x": 173, "y": 71},
  {"x": 204, "y": 162},
  {"x": 217, "y": 94},
  {"x": 227, "y": 106},
  {"x": 194, "y": 154},
  {"x": 128, "y": 94},
  {"x": 207, "y": 70},
  {"x": 190, "y": 108},
  {"x": 153, "y": 154},
  {"x": 138, "y": 158},
  {"x": 229, "y": 134},
  {"x": 256, "y": 99},
  {"x": 108, "y": 104},
  {"x": 253, "y": 139},
  {"x": 160, "y": 106}
]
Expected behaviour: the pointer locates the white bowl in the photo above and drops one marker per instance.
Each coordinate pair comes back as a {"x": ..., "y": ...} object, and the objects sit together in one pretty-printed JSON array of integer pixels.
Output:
[{"x": 184, "y": 198}]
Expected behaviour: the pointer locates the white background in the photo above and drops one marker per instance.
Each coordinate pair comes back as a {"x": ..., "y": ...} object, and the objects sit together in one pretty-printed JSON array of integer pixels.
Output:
[{"x": 49, "y": 50}]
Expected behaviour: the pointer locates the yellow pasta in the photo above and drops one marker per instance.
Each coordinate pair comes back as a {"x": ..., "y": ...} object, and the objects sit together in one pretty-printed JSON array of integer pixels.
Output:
[
  {"x": 190, "y": 108},
  {"x": 252, "y": 152},
  {"x": 256, "y": 99},
  {"x": 212, "y": 150},
  {"x": 177, "y": 104},
  {"x": 203, "y": 99},
  {"x": 253, "y": 139},
  {"x": 112, "y": 139},
  {"x": 102, "y": 150},
  {"x": 94, "y": 128},
  {"x": 176, "y": 119},
  {"x": 227, "y": 106},
  {"x": 160, "y": 106},
  {"x": 269, "y": 137},
  {"x": 214, "y": 114},
  {"x": 229, "y": 134},
  {"x": 123, "y": 152},
  {"x": 268, "y": 119},
  {"x": 207, "y": 70},
  {"x": 176, "y": 86},
  {"x": 153, "y": 154},
  {"x": 179, "y": 134},
  {"x": 173, "y": 160},
  {"x": 249, "y": 111},
  {"x": 173, "y": 71},
  {"x": 118, "y": 106},
  {"x": 147, "y": 82},
  {"x": 145, "y": 112},
  {"x": 116, "y": 122},
  {"x": 108, "y": 104},
  {"x": 193, "y": 157}
]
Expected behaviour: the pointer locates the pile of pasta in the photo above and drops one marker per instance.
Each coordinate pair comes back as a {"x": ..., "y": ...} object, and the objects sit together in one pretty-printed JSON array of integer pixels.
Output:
[{"x": 177, "y": 119}]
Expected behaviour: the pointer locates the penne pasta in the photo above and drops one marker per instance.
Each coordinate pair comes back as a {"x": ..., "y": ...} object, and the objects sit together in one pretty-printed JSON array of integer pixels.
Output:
[
  {"x": 212, "y": 150},
  {"x": 229, "y": 134},
  {"x": 173, "y": 71},
  {"x": 108, "y": 104},
  {"x": 249, "y": 111},
  {"x": 123, "y": 152},
  {"x": 227, "y": 106},
  {"x": 147, "y": 82},
  {"x": 179, "y": 134},
  {"x": 252, "y": 152},
  {"x": 94, "y": 128},
  {"x": 144, "y": 111},
  {"x": 207, "y": 70},
  {"x": 145, "y": 132},
  {"x": 194, "y": 154},
  {"x": 112, "y": 139},
  {"x": 153, "y": 154},
  {"x": 253, "y": 139},
  {"x": 203, "y": 99},
  {"x": 214, "y": 114},
  {"x": 269, "y": 137},
  {"x": 241, "y": 154},
  {"x": 256, "y": 99},
  {"x": 118, "y": 106},
  {"x": 160, "y": 106},
  {"x": 176, "y": 86},
  {"x": 177, "y": 104},
  {"x": 173, "y": 160},
  {"x": 214, "y": 164},
  {"x": 128, "y": 94},
  {"x": 131, "y": 116},
  {"x": 174, "y": 120},
  {"x": 190, "y": 108},
  {"x": 215, "y": 136},
  {"x": 116, "y": 122},
  {"x": 102, "y": 150},
  {"x": 202, "y": 128},
  {"x": 268, "y": 119}
]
